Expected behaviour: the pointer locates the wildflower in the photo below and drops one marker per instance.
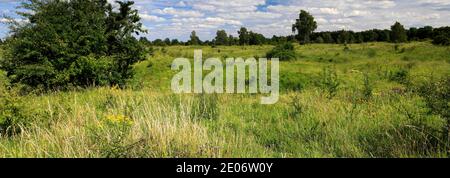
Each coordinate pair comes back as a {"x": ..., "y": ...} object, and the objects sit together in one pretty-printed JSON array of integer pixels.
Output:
[{"x": 119, "y": 119}]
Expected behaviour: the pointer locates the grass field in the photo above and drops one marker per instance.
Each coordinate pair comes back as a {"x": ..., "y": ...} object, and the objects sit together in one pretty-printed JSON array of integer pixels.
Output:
[{"x": 371, "y": 113}]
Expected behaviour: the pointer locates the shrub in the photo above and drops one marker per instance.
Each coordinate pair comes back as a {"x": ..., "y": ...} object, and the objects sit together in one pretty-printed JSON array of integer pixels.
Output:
[
  {"x": 329, "y": 81},
  {"x": 57, "y": 51},
  {"x": 437, "y": 98},
  {"x": 399, "y": 75},
  {"x": 367, "y": 88},
  {"x": 283, "y": 52},
  {"x": 441, "y": 40},
  {"x": 296, "y": 107},
  {"x": 12, "y": 116}
]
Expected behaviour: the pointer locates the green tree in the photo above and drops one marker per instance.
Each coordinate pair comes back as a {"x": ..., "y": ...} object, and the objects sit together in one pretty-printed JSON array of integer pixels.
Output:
[
  {"x": 194, "y": 39},
  {"x": 244, "y": 36},
  {"x": 256, "y": 38},
  {"x": 73, "y": 43},
  {"x": 175, "y": 42},
  {"x": 167, "y": 42},
  {"x": 305, "y": 26},
  {"x": 221, "y": 37},
  {"x": 398, "y": 33}
]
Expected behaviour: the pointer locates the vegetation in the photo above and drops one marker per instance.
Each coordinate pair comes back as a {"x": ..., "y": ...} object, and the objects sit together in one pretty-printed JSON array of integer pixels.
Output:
[
  {"x": 370, "y": 99},
  {"x": 283, "y": 52},
  {"x": 87, "y": 43},
  {"x": 305, "y": 26},
  {"x": 373, "y": 111}
]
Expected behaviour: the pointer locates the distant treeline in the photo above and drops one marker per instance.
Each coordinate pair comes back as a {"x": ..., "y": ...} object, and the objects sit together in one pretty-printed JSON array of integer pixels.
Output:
[
  {"x": 303, "y": 30},
  {"x": 438, "y": 35}
]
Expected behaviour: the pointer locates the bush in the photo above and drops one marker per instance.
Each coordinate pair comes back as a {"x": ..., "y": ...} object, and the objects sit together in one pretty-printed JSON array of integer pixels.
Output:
[
  {"x": 441, "y": 40},
  {"x": 12, "y": 117},
  {"x": 329, "y": 82},
  {"x": 399, "y": 75},
  {"x": 437, "y": 98},
  {"x": 283, "y": 52},
  {"x": 86, "y": 43},
  {"x": 367, "y": 88}
]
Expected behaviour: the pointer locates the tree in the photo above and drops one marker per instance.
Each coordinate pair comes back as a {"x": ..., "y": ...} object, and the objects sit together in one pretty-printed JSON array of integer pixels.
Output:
[
  {"x": 221, "y": 38},
  {"x": 398, "y": 33},
  {"x": 194, "y": 39},
  {"x": 305, "y": 26},
  {"x": 167, "y": 42},
  {"x": 256, "y": 38},
  {"x": 232, "y": 40},
  {"x": 425, "y": 32},
  {"x": 344, "y": 37},
  {"x": 144, "y": 41},
  {"x": 244, "y": 36},
  {"x": 441, "y": 36},
  {"x": 73, "y": 43},
  {"x": 175, "y": 42},
  {"x": 328, "y": 38}
]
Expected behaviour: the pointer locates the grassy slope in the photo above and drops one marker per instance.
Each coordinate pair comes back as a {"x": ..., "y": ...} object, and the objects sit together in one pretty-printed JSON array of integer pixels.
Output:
[{"x": 303, "y": 124}]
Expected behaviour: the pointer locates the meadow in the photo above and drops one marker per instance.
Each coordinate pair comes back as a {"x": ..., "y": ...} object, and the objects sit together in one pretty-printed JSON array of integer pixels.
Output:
[{"x": 356, "y": 100}]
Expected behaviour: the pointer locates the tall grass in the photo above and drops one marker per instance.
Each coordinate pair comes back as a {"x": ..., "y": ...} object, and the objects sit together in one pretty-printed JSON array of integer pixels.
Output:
[{"x": 366, "y": 105}]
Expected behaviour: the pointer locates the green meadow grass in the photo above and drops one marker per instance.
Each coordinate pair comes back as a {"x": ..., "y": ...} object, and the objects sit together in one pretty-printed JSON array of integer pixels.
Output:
[{"x": 373, "y": 113}]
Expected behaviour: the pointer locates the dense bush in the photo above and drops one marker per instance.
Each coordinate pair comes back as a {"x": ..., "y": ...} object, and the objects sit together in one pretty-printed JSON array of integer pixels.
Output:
[
  {"x": 437, "y": 98},
  {"x": 73, "y": 43},
  {"x": 329, "y": 82},
  {"x": 442, "y": 36},
  {"x": 283, "y": 52},
  {"x": 441, "y": 40}
]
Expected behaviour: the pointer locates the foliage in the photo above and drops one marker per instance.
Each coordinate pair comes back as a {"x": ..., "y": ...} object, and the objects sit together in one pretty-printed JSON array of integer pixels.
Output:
[
  {"x": 437, "y": 98},
  {"x": 55, "y": 51},
  {"x": 398, "y": 33},
  {"x": 304, "y": 25},
  {"x": 283, "y": 52},
  {"x": 329, "y": 81},
  {"x": 222, "y": 38},
  {"x": 244, "y": 36},
  {"x": 194, "y": 40}
]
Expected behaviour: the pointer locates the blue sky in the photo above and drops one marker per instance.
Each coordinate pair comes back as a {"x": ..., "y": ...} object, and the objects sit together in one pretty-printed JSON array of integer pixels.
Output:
[{"x": 177, "y": 18}]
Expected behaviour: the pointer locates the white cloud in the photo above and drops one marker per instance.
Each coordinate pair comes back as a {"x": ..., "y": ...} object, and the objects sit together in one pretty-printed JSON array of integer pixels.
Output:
[
  {"x": 178, "y": 12},
  {"x": 151, "y": 18},
  {"x": 177, "y": 18}
]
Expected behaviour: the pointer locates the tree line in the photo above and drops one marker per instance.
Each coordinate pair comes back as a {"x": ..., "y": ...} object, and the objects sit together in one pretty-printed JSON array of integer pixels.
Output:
[{"x": 305, "y": 27}]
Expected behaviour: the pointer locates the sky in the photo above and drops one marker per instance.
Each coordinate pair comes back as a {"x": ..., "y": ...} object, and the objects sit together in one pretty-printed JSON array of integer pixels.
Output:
[{"x": 178, "y": 18}]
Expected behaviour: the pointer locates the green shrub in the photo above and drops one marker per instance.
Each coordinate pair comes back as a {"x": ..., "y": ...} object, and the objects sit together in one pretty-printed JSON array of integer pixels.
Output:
[
  {"x": 437, "y": 98},
  {"x": 367, "y": 88},
  {"x": 296, "y": 107},
  {"x": 283, "y": 52},
  {"x": 399, "y": 75},
  {"x": 441, "y": 40},
  {"x": 329, "y": 82},
  {"x": 12, "y": 115}
]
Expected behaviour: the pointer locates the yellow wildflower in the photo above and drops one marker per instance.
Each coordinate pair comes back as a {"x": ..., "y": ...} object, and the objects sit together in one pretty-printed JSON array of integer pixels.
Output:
[{"x": 119, "y": 119}]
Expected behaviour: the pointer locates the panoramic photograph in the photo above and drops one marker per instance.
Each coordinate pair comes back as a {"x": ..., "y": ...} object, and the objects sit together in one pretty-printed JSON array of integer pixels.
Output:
[{"x": 225, "y": 79}]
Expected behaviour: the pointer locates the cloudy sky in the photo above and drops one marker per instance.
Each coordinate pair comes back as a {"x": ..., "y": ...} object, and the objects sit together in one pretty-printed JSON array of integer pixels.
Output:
[{"x": 177, "y": 18}]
